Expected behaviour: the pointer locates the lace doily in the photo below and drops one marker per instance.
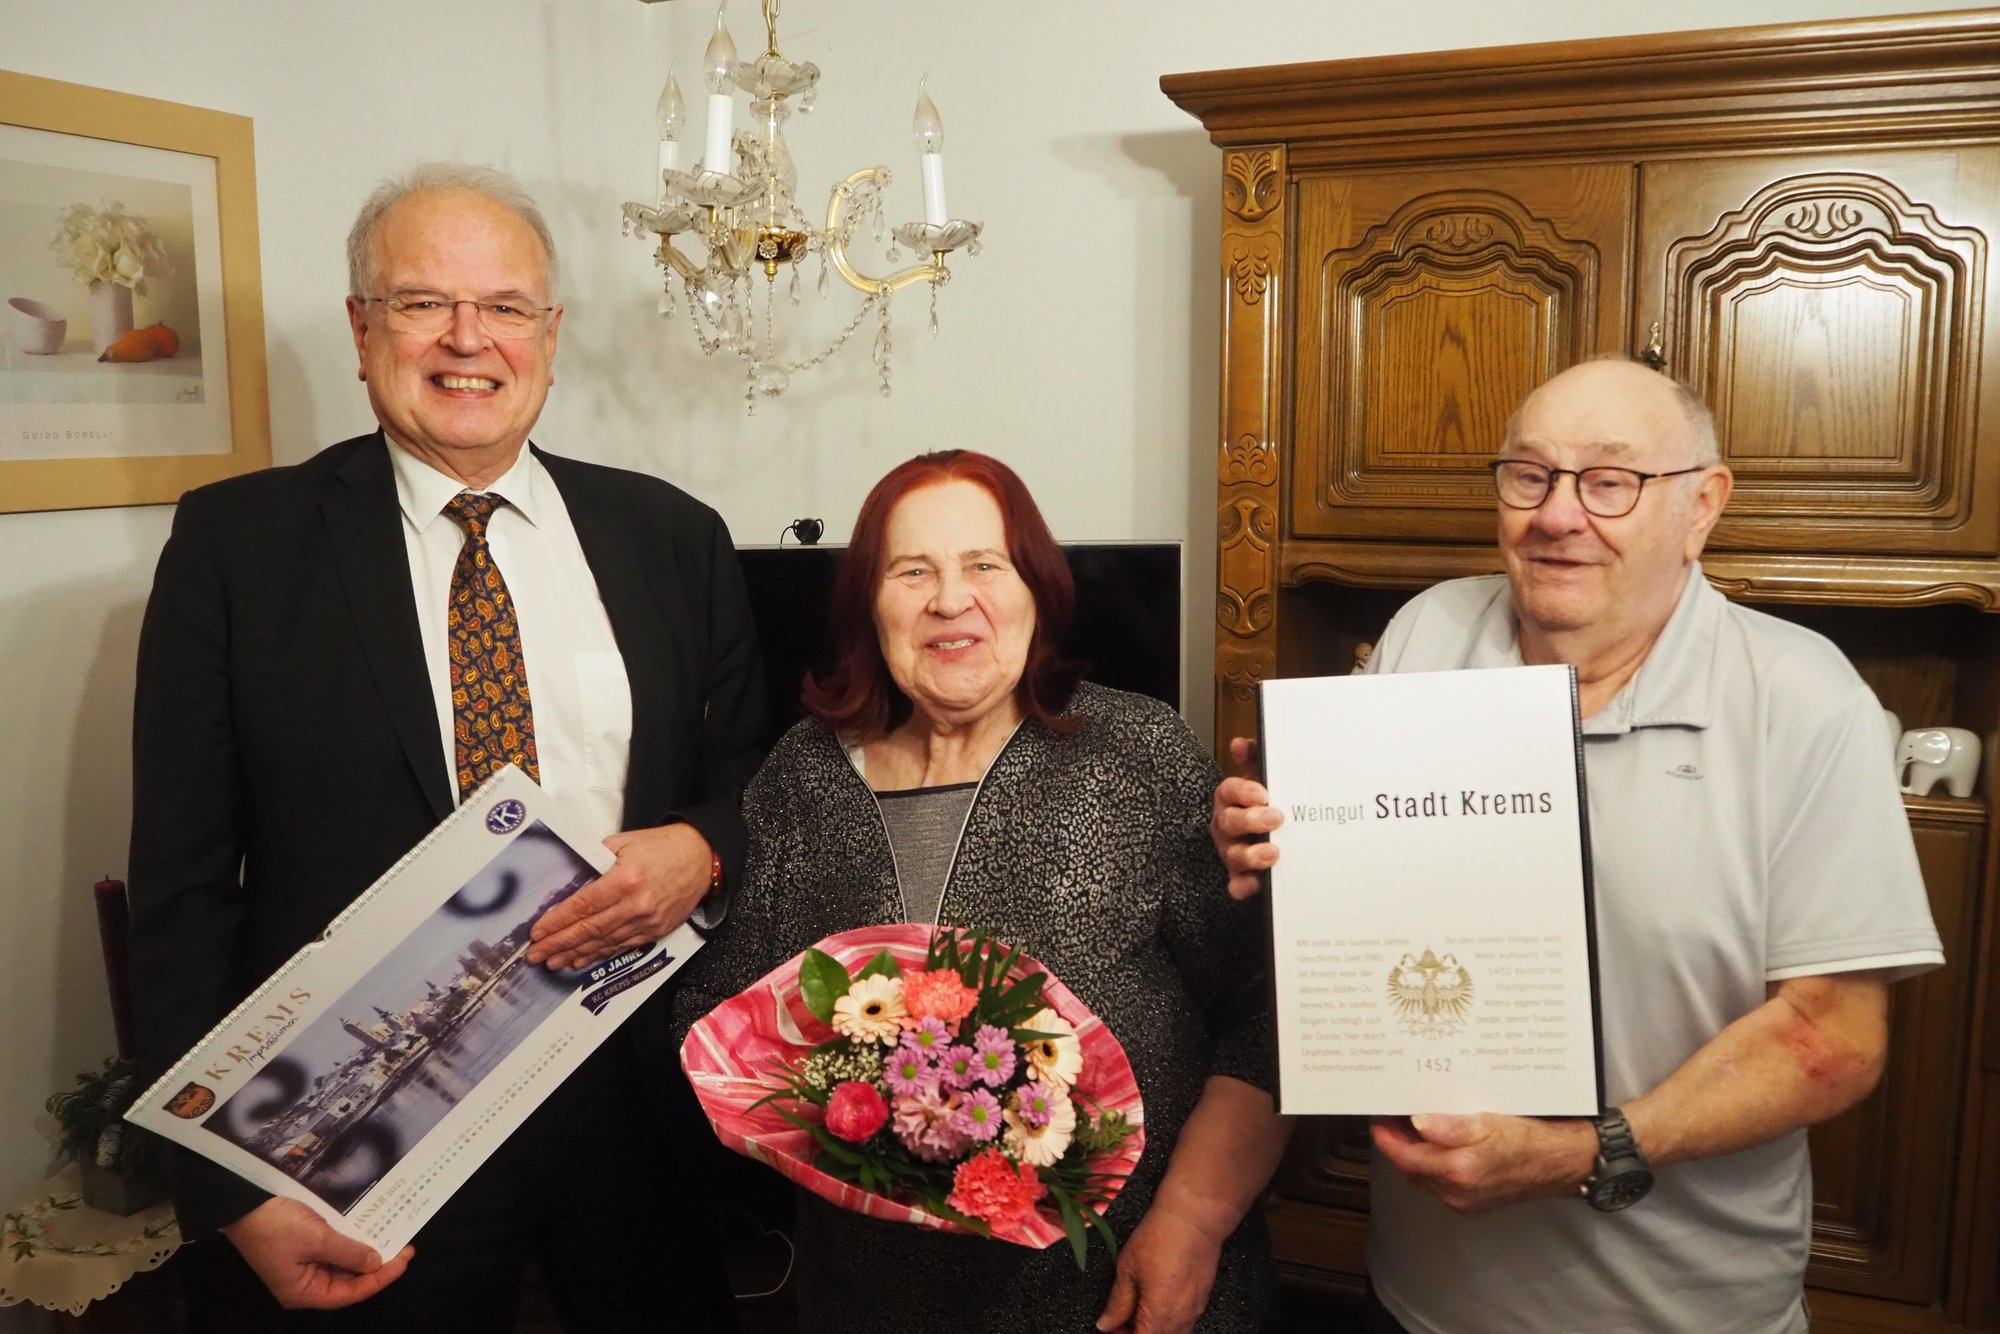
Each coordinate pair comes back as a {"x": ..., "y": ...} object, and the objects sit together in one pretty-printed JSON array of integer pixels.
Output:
[{"x": 61, "y": 1254}]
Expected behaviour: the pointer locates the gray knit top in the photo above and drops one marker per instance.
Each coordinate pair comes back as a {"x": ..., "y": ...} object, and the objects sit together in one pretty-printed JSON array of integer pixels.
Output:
[{"x": 1090, "y": 850}]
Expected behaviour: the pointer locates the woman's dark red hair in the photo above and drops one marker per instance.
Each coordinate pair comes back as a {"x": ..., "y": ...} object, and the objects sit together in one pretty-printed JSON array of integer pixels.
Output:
[{"x": 856, "y": 696}]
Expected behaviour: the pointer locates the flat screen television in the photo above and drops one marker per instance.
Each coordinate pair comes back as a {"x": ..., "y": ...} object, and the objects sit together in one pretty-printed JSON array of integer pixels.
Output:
[{"x": 1126, "y": 630}]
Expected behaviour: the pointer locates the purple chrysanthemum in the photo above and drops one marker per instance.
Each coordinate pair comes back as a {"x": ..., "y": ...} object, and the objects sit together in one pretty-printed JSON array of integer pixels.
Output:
[
  {"x": 1031, "y": 1104},
  {"x": 958, "y": 1067},
  {"x": 993, "y": 1056},
  {"x": 929, "y": 1036},
  {"x": 978, "y": 1116},
  {"x": 908, "y": 1072}
]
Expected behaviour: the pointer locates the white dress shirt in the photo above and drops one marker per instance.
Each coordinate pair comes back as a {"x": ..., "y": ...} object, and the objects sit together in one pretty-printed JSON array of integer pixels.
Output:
[{"x": 578, "y": 692}]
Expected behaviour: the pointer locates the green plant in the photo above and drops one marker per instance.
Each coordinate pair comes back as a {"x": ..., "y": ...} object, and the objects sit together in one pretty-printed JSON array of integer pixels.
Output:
[{"x": 90, "y": 1120}]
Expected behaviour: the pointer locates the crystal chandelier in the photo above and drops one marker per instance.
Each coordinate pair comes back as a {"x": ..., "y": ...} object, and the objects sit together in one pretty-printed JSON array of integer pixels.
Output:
[{"x": 739, "y": 208}]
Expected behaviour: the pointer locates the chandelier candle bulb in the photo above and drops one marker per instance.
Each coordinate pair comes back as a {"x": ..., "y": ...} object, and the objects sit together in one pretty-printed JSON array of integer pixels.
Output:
[
  {"x": 929, "y": 132},
  {"x": 719, "y": 73},
  {"x": 672, "y": 115}
]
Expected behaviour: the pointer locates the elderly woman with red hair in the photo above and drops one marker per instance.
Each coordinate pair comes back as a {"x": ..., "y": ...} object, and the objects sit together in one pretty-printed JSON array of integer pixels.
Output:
[{"x": 954, "y": 768}]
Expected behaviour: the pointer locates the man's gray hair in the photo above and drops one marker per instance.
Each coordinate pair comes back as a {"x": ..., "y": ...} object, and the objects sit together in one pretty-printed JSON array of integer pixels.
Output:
[
  {"x": 497, "y": 186},
  {"x": 1695, "y": 414},
  {"x": 1700, "y": 422}
]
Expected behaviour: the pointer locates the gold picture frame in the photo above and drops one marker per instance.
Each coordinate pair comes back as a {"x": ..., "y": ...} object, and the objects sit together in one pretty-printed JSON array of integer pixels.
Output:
[{"x": 81, "y": 430}]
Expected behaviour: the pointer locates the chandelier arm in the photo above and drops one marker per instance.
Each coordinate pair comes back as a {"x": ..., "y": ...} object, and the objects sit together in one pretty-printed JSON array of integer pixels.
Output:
[
  {"x": 836, "y": 245},
  {"x": 672, "y": 259}
]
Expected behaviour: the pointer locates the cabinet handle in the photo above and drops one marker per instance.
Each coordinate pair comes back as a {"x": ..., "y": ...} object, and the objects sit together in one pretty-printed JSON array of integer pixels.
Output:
[{"x": 1654, "y": 354}]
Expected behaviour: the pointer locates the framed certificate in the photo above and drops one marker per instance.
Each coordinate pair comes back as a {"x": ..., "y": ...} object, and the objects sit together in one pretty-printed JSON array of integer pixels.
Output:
[{"x": 1433, "y": 943}]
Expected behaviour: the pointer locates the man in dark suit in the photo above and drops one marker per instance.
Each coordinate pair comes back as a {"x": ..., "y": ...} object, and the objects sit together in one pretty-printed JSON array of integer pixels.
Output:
[{"x": 305, "y": 715}]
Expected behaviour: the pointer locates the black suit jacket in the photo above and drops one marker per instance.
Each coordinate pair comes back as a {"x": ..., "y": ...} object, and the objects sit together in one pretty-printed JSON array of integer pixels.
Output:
[{"x": 286, "y": 748}]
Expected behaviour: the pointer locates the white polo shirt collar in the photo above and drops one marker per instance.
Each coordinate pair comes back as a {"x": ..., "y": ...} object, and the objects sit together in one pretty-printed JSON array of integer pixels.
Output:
[{"x": 1674, "y": 686}]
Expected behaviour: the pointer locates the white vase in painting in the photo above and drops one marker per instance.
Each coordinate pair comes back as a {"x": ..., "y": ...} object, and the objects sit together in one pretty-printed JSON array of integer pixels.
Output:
[{"x": 110, "y": 313}]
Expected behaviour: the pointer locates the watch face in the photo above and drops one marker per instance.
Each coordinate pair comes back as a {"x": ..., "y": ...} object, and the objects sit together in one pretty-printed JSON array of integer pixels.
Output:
[{"x": 1618, "y": 1189}]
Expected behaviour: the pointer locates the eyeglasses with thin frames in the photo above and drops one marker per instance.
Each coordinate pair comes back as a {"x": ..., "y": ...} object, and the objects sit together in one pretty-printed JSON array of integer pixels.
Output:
[
  {"x": 1608, "y": 493},
  {"x": 433, "y": 312}
]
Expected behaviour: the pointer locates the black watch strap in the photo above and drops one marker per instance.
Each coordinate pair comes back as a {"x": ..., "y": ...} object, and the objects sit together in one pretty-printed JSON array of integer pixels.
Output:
[
  {"x": 1621, "y": 1177},
  {"x": 1614, "y": 1137}
]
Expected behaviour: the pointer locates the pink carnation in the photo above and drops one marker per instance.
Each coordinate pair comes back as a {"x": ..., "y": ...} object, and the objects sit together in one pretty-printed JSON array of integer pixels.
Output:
[
  {"x": 926, "y": 1123},
  {"x": 939, "y": 994},
  {"x": 988, "y": 1187},
  {"x": 856, "y": 1111}
]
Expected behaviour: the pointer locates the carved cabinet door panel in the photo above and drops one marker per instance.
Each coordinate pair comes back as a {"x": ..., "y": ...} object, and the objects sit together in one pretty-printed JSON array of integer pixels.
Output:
[
  {"x": 1838, "y": 313},
  {"x": 1428, "y": 304},
  {"x": 1883, "y": 1171}
]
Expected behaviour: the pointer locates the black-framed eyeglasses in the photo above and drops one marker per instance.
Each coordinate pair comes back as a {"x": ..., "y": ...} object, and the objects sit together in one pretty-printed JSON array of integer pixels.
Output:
[
  {"x": 1608, "y": 493},
  {"x": 432, "y": 313}
]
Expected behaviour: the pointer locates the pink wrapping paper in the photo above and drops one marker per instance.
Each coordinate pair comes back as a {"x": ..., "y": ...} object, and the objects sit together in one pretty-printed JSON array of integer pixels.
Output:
[{"x": 731, "y": 1050}]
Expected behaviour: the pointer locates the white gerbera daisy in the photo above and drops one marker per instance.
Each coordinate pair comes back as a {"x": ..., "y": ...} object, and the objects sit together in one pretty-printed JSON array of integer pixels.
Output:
[
  {"x": 871, "y": 1011},
  {"x": 1041, "y": 1146},
  {"x": 1056, "y": 1060}
]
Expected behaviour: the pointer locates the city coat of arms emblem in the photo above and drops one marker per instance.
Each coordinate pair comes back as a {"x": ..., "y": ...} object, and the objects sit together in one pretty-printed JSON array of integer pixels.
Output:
[{"x": 1432, "y": 997}]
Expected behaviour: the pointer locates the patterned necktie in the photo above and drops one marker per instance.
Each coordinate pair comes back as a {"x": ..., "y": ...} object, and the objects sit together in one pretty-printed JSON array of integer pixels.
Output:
[{"x": 492, "y": 721}]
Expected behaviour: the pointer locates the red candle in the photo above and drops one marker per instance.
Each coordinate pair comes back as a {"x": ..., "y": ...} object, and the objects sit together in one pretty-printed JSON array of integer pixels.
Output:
[{"x": 111, "y": 935}]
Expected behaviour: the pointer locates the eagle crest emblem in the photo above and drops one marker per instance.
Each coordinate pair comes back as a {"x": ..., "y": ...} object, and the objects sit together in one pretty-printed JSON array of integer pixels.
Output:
[
  {"x": 192, "y": 1102},
  {"x": 1432, "y": 997}
]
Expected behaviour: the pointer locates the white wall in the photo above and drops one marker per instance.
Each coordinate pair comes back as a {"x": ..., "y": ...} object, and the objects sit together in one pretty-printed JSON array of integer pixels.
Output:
[{"x": 1080, "y": 346}]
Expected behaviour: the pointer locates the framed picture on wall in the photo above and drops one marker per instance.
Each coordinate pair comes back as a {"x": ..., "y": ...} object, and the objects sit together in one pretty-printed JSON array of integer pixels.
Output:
[{"x": 131, "y": 302}]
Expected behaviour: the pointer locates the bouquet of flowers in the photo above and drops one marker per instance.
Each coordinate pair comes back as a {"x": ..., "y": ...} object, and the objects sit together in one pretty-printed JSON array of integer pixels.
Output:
[
  {"x": 942, "y": 1078},
  {"x": 109, "y": 245}
]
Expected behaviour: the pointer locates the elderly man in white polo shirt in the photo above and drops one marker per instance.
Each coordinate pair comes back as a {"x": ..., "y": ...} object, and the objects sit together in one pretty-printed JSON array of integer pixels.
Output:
[{"x": 1757, "y": 893}]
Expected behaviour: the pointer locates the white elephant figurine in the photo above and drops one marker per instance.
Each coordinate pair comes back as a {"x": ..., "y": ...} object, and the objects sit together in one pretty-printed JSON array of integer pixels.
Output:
[{"x": 1930, "y": 753}]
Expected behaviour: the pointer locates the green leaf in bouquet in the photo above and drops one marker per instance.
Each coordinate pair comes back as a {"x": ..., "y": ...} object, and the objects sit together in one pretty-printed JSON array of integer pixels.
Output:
[
  {"x": 1073, "y": 1227},
  {"x": 822, "y": 981},
  {"x": 1103, "y": 1132},
  {"x": 839, "y": 1171},
  {"x": 792, "y": 1084},
  {"x": 1019, "y": 1001},
  {"x": 826, "y": 1139},
  {"x": 1080, "y": 1218},
  {"x": 944, "y": 951},
  {"x": 882, "y": 965},
  {"x": 1007, "y": 965},
  {"x": 936, "y": 1205},
  {"x": 970, "y": 963},
  {"x": 1096, "y": 1220},
  {"x": 771, "y": 1099}
]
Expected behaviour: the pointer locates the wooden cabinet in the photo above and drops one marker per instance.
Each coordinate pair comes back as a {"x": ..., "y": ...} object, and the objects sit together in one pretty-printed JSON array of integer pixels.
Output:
[
  {"x": 1798, "y": 222},
  {"x": 1833, "y": 309},
  {"x": 1429, "y": 307}
]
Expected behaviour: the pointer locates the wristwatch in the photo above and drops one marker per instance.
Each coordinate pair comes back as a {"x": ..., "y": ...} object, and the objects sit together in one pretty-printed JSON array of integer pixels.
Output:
[{"x": 1620, "y": 1178}]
